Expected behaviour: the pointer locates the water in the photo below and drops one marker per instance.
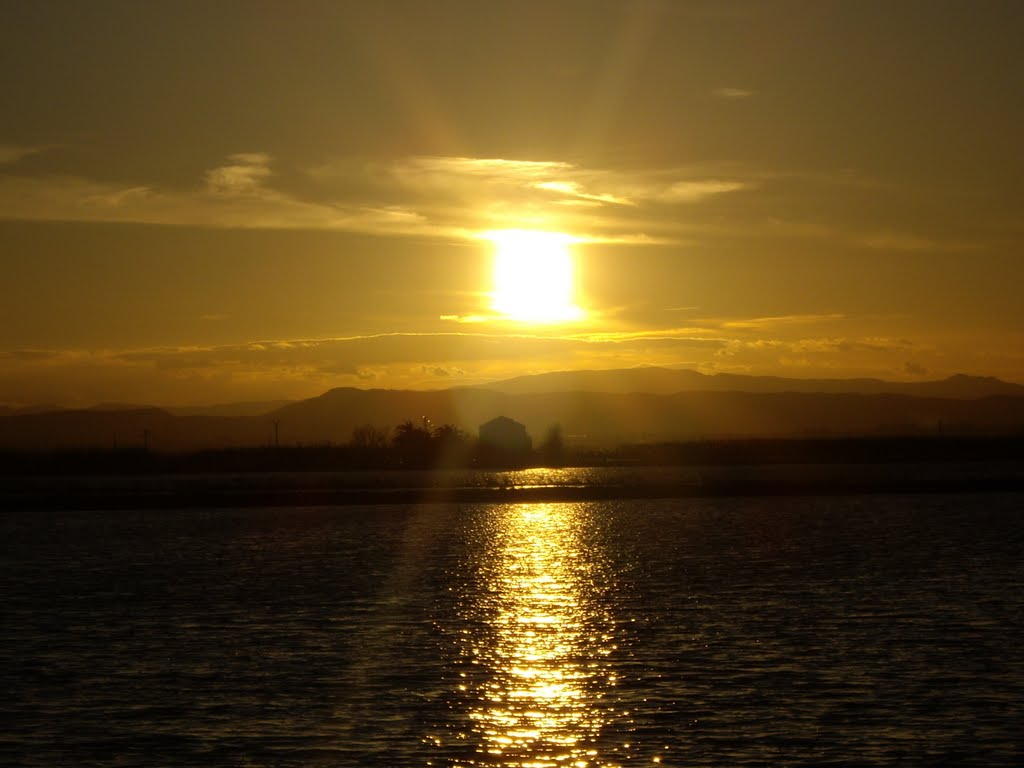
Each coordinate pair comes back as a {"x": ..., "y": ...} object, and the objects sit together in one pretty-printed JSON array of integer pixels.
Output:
[
  {"x": 872, "y": 630},
  {"x": 884, "y": 475}
]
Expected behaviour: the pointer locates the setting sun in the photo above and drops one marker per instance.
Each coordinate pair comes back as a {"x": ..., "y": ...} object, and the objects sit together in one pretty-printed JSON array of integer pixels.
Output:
[{"x": 533, "y": 275}]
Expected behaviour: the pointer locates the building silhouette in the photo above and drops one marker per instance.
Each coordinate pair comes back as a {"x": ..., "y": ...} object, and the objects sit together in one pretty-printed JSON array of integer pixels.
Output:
[{"x": 505, "y": 434}]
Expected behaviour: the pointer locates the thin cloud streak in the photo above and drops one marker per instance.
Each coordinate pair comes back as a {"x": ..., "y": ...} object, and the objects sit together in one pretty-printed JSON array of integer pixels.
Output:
[
  {"x": 896, "y": 241},
  {"x": 11, "y": 153},
  {"x": 733, "y": 93},
  {"x": 910, "y": 243},
  {"x": 761, "y": 323}
]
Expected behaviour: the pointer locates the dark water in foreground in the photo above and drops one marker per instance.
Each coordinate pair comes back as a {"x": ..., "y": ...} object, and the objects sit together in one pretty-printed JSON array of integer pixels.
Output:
[{"x": 882, "y": 630}]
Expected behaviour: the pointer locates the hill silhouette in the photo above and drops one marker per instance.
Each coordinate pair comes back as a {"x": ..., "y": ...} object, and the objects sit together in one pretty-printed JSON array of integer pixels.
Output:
[
  {"x": 668, "y": 381},
  {"x": 593, "y": 408},
  {"x": 605, "y": 418},
  {"x": 136, "y": 428}
]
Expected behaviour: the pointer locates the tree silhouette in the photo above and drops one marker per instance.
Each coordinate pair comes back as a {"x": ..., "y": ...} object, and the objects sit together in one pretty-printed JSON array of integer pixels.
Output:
[
  {"x": 452, "y": 446},
  {"x": 368, "y": 437},
  {"x": 413, "y": 444},
  {"x": 449, "y": 433},
  {"x": 552, "y": 450}
]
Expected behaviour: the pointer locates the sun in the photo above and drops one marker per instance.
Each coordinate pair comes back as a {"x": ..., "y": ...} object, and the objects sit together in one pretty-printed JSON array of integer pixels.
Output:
[{"x": 534, "y": 279}]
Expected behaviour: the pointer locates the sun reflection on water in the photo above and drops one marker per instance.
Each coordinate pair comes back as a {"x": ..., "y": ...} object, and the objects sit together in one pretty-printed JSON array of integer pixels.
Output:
[{"x": 538, "y": 670}]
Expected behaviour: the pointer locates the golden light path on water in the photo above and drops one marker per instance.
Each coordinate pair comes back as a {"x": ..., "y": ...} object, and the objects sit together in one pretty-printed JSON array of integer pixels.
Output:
[{"x": 543, "y": 652}]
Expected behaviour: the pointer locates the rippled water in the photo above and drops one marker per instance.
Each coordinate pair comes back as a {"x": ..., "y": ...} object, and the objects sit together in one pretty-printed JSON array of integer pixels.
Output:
[{"x": 795, "y": 631}]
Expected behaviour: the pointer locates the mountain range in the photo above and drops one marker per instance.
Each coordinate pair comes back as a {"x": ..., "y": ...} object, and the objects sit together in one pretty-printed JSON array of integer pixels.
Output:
[
  {"x": 593, "y": 408},
  {"x": 669, "y": 381}
]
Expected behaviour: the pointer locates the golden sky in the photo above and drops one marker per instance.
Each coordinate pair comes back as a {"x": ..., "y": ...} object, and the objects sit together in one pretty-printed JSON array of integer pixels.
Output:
[{"x": 208, "y": 202}]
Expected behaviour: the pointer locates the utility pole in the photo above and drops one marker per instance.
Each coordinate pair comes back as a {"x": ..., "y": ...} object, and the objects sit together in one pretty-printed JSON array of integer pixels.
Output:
[{"x": 277, "y": 442}]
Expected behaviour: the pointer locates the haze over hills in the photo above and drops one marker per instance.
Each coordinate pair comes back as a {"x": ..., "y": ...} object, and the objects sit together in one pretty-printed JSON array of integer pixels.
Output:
[
  {"x": 668, "y": 381},
  {"x": 592, "y": 408},
  {"x": 255, "y": 408}
]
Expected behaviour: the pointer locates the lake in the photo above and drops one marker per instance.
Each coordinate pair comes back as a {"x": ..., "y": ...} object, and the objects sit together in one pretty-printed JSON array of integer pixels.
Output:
[{"x": 789, "y": 630}]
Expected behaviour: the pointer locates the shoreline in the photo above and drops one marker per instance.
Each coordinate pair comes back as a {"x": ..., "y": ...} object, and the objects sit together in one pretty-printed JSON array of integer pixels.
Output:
[{"x": 342, "y": 489}]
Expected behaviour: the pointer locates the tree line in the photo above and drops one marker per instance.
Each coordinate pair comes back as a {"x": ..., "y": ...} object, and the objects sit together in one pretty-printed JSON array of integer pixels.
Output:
[
  {"x": 425, "y": 445},
  {"x": 407, "y": 446}
]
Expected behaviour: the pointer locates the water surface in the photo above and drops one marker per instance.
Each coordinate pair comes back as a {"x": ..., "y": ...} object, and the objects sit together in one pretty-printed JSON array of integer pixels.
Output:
[{"x": 877, "y": 630}]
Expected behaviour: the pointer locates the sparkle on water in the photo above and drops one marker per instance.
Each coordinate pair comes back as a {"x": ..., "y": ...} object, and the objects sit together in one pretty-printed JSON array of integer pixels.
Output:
[{"x": 538, "y": 702}]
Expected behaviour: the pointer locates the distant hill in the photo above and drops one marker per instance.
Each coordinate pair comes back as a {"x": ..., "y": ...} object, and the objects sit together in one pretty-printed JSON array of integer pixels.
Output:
[
  {"x": 256, "y": 408},
  {"x": 10, "y": 410},
  {"x": 611, "y": 417},
  {"x": 112, "y": 407},
  {"x": 338, "y": 411},
  {"x": 668, "y": 381},
  {"x": 126, "y": 429},
  {"x": 597, "y": 408}
]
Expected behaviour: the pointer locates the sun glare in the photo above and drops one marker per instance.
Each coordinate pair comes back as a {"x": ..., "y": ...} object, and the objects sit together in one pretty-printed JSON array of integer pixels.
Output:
[{"x": 534, "y": 280}]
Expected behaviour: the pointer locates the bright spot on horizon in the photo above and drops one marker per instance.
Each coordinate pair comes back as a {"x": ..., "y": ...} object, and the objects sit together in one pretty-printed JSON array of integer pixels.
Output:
[{"x": 533, "y": 275}]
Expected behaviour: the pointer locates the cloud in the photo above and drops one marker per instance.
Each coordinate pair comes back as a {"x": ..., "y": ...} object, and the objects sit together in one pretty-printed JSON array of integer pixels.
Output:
[
  {"x": 889, "y": 240},
  {"x": 243, "y": 175},
  {"x": 123, "y": 197},
  {"x": 596, "y": 205},
  {"x": 867, "y": 344},
  {"x": 459, "y": 197},
  {"x": 910, "y": 243},
  {"x": 732, "y": 93},
  {"x": 28, "y": 355},
  {"x": 814, "y": 356},
  {"x": 434, "y": 170},
  {"x": 695, "y": 191},
  {"x": 573, "y": 193},
  {"x": 10, "y": 153},
  {"x": 446, "y": 197},
  {"x": 233, "y": 196},
  {"x": 440, "y": 371},
  {"x": 463, "y": 176},
  {"x": 471, "y": 319},
  {"x": 763, "y": 323}
]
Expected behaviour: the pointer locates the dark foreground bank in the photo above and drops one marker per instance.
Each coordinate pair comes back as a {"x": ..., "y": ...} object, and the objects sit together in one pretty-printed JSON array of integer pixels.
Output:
[{"x": 565, "y": 484}]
